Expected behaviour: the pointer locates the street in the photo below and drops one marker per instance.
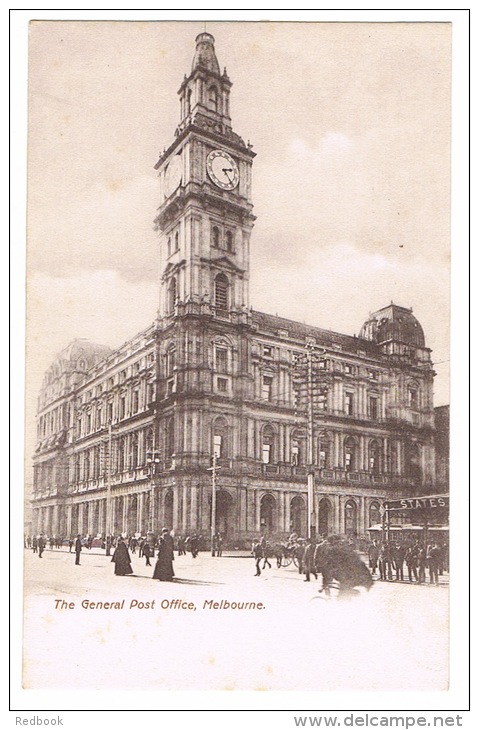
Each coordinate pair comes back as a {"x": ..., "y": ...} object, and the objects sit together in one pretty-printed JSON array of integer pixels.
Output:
[{"x": 218, "y": 627}]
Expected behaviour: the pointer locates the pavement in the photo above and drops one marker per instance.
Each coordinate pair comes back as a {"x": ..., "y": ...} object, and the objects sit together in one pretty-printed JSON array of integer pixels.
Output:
[{"x": 217, "y": 626}]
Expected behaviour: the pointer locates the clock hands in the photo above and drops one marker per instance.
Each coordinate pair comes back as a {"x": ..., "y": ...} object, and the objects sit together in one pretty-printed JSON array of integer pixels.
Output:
[{"x": 226, "y": 170}]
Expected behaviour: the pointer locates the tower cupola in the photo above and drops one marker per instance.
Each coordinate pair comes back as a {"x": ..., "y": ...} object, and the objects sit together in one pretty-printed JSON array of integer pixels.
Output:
[
  {"x": 205, "y": 56},
  {"x": 205, "y": 93}
]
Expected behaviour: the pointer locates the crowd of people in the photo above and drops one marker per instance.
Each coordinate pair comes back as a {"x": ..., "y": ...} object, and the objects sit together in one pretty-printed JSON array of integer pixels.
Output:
[
  {"x": 121, "y": 548},
  {"x": 391, "y": 559},
  {"x": 336, "y": 558}
]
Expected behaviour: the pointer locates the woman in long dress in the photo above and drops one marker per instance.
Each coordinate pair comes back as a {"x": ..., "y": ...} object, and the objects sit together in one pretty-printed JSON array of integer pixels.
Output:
[
  {"x": 121, "y": 558},
  {"x": 164, "y": 564}
]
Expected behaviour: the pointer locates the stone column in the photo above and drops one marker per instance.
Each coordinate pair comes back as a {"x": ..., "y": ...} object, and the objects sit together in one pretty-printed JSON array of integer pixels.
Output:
[
  {"x": 69, "y": 520},
  {"x": 194, "y": 508},
  {"x": 287, "y": 511},
  {"x": 335, "y": 446},
  {"x": 176, "y": 515},
  {"x": 124, "y": 518},
  {"x": 184, "y": 516},
  {"x": 55, "y": 521},
  {"x": 362, "y": 516},
  {"x": 336, "y": 513},
  {"x": 257, "y": 510},
  {"x": 362, "y": 454},
  {"x": 139, "y": 513},
  {"x": 281, "y": 512}
]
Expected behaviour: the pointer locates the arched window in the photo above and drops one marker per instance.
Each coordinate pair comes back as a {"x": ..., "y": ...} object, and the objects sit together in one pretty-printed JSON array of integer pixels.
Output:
[
  {"x": 177, "y": 241},
  {"x": 149, "y": 446},
  {"x": 168, "y": 247},
  {"x": 213, "y": 98},
  {"x": 221, "y": 292},
  {"x": 170, "y": 361},
  {"x": 298, "y": 447},
  {"x": 215, "y": 237},
  {"x": 374, "y": 457},
  {"x": 229, "y": 241},
  {"x": 268, "y": 514},
  {"x": 350, "y": 455},
  {"x": 374, "y": 514},
  {"x": 188, "y": 101},
  {"x": 172, "y": 295},
  {"x": 324, "y": 450},
  {"x": 298, "y": 516},
  {"x": 413, "y": 461},
  {"x": 267, "y": 450},
  {"x": 134, "y": 451},
  {"x": 120, "y": 455},
  {"x": 220, "y": 438},
  {"x": 324, "y": 517},
  {"x": 350, "y": 519}
]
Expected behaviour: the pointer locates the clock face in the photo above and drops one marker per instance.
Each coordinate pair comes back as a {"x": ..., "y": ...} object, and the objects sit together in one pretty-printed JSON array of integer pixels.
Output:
[
  {"x": 173, "y": 175},
  {"x": 222, "y": 169}
]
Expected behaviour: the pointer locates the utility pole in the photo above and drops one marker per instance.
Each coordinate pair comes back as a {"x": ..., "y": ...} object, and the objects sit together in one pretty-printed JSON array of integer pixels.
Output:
[
  {"x": 308, "y": 375},
  {"x": 213, "y": 469}
]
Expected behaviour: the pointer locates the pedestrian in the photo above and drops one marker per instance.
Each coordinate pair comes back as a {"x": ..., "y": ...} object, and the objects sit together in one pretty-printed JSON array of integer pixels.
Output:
[
  {"x": 181, "y": 545},
  {"x": 265, "y": 548},
  {"x": 35, "y": 544},
  {"x": 299, "y": 554},
  {"x": 78, "y": 547},
  {"x": 384, "y": 562},
  {"x": 194, "y": 545},
  {"x": 164, "y": 564},
  {"x": 411, "y": 562},
  {"x": 421, "y": 563},
  {"x": 41, "y": 545},
  {"x": 308, "y": 560},
  {"x": 373, "y": 555},
  {"x": 433, "y": 559},
  {"x": 146, "y": 551},
  {"x": 257, "y": 554},
  {"x": 219, "y": 545},
  {"x": 121, "y": 558},
  {"x": 399, "y": 553}
]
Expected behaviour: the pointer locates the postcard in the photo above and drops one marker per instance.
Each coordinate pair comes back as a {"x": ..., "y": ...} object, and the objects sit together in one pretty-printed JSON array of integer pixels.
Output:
[{"x": 238, "y": 344}]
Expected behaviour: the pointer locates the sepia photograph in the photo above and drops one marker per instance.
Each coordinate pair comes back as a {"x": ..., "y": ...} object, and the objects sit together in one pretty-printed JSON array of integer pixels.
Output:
[{"x": 238, "y": 323}]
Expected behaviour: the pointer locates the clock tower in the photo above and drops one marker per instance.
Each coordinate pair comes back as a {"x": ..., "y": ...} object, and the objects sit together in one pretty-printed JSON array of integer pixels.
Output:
[{"x": 205, "y": 213}]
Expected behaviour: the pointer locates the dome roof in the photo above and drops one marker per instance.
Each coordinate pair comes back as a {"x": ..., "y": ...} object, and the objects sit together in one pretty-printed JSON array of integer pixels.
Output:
[
  {"x": 393, "y": 323},
  {"x": 205, "y": 56}
]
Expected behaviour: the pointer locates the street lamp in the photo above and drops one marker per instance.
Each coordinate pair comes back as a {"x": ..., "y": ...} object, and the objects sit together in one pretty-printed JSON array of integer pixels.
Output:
[{"x": 152, "y": 458}]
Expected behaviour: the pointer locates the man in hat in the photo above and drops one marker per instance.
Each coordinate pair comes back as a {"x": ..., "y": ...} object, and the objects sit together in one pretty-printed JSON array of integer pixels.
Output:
[{"x": 78, "y": 547}]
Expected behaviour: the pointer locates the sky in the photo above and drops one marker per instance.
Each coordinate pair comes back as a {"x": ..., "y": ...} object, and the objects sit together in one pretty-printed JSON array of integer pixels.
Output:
[{"x": 350, "y": 123}]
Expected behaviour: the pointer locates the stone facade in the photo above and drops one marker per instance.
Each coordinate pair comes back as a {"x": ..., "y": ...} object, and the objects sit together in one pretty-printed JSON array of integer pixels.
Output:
[{"x": 310, "y": 429}]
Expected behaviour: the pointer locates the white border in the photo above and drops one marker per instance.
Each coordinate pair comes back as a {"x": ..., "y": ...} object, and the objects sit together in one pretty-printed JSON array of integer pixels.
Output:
[{"x": 454, "y": 701}]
